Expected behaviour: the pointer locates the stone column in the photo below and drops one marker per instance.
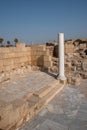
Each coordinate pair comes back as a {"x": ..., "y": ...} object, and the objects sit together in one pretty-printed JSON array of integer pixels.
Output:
[{"x": 61, "y": 75}]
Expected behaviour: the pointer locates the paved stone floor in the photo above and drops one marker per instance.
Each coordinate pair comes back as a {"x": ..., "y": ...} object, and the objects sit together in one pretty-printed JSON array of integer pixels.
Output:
[
  {"x": 67, "y": 111},
  {"x": 17, "y": 97},
  {"x": 19, "y": 87}
]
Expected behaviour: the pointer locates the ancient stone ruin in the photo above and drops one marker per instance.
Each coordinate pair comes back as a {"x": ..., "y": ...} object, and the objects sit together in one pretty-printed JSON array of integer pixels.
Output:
[{"x": 30, "y": 76}]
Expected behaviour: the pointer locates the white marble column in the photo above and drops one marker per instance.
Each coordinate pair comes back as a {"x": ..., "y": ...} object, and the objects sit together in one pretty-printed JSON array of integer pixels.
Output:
[{"x": 61, "y": 75}]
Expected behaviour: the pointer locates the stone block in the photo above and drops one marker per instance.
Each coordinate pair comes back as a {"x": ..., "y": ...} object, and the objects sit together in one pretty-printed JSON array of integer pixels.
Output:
[
  {"x": 12, "y": 114},
  {"x": 4, "y": 50},
  {"x": 40, "y": 63},
  {"x": 84, "y": 66},
  {"x": 23, "y": 59},
  {"x": 34, "y": 62},
  {"x": 43, "y": 91},
  {"x": 12, "y": 49},
  {"x": 74, "y": 79},
  {"x": 69, "y": 49},
  {"x": 11, "y": 55},
  {"x": 47, "y": 53},
  {"x": 38, "y": 47},
  {"x": 16, "y": 66},
  {"x": 28, "y": 53},
  {"x": 5, "y": 55},
  {"x": 1, "y": 56},
  {"x": 1, "y": 69},
  {"x": 7, "y": 68},
  {"x": 4, "y": 114},
  {"x": 54, "y": 69},
  {"x": 20, "y": 45},
  {"x": 1, "y": 63},
  {"x": 47, "y": 58},
  {"x": 84, "y": 75},
  {"x": 68, "y": 64},
  {"x": 40, "y": 53},
  {"x": 6, "y": 62},
  {"x": 48, "y": 64},
  {"x": 34, "y": 53},
  {"x": 16, "y": 60}
]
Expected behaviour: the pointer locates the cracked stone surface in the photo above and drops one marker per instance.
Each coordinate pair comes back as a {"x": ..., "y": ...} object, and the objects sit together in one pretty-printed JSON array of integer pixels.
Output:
[{"x": 67, "y": 110}]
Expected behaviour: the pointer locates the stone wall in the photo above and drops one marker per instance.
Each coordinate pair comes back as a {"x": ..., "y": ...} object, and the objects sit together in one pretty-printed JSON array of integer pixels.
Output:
[
  {"x": 21, "y": 59},
  {"x": 40, "y": 56},
  {"x": 16, "y": 60},
  {"x": 50, "y": 49},
  {"x": 14, "y": 57}
]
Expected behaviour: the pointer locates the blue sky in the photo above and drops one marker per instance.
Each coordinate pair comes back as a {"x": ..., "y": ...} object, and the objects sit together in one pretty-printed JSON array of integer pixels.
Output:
[{"x": 39, "y": 21}]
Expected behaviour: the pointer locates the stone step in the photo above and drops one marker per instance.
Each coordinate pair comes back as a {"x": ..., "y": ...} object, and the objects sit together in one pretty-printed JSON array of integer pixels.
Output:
[
  {"x": 24, "y": 109},
  {"x": 45, "y": 90},
  {"x": 58, "y": 88},
  {"x": 51, "y": 125},
  {"x": 36, "y": 103},
  {"x": 44, "y": 95}
]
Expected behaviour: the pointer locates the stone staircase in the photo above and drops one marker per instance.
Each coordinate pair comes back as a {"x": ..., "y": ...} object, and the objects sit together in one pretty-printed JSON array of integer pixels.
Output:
[
  {"x": 66, "y": 111},
  {"x": 41, "y": 97},
  {"x": 21, "y": 106}
]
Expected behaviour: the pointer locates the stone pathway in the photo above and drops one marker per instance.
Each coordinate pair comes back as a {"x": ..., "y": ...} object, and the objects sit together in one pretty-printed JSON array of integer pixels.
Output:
[{"x": 67, "y": 111}]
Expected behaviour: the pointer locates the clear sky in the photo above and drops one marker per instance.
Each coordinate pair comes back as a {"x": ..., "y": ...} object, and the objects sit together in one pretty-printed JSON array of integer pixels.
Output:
[{"x": 39, "y": 21}]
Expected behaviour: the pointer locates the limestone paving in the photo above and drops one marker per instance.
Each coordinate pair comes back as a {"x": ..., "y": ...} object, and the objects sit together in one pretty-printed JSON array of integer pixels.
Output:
[
  {"x": 66, "y": 111},
  {"x": 22, "y": 97},
  {"x": 19, "y": 86}
]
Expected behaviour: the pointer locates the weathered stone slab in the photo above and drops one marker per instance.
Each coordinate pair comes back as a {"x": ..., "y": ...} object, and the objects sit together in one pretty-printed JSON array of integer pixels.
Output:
[
  {"x": 42, "y": 92},
  {"x": 17, "y": 101},
  {"x": 50, "y": 125},
  {"x": 82, "y": 115},
  {"x": 78, "y": 124}
]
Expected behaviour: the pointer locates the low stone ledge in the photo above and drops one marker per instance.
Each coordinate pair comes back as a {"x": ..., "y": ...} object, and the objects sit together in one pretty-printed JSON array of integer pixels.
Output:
[{"x": 18, "y": 111}]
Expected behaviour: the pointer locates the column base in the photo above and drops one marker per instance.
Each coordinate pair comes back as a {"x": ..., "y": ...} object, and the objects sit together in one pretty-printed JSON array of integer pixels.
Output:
[{"x": 61, "y": 77}]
